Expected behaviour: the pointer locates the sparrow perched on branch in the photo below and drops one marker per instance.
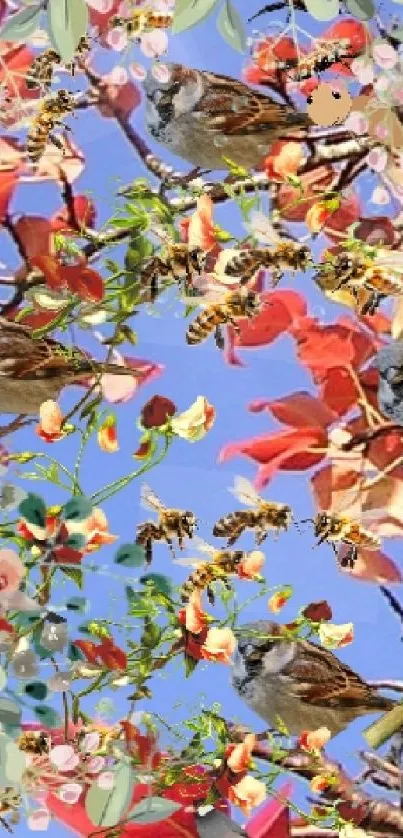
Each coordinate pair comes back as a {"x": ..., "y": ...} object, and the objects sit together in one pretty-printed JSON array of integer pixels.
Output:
[
  {"x": 32, "y": 371},
  {"x": 305, "y": 685},
  {"x": 204, "y": 117},
  {"x": 389, "y": 362}
]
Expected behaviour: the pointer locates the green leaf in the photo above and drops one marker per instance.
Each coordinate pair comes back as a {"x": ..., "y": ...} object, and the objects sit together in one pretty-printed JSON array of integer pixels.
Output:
[
  {"x": 190, "y": 664},
  {"x": 21, "y": 25},
  {"x": 74, "y": 573},
  {"x": 139, "y": 606},
  {"x": 10, "y": 712},
  {"x": 3, "y": 678},
  {"x": 47, "y": 716},
  {"x": 36, "y": 689},
  {"x": 105, "y": 807},
  {"x": 189, "y": 12},
  {"x": 160, "y": 582},
  {"x": 67, "y": 23},
  {"x": 12, "y": 762},
  {"x": 130, "y": 555},
  {"x": 151, "y": 635},
  {"x": 153, "y": 809},
  {"x": 33, "y": 509},
  {"x": 384, "y": 728},
  {"x": 77, "y": 603},
  {"x": 74, "y": 653},
  {"x": 76, "y": 541},
  {"x": 322, "y": 9},
  {"x": 361, "y": 9},
  {"x": 11, "y": 496},
  {"x": 77, "y": 509},
  {"x": 230, "y": 26}
]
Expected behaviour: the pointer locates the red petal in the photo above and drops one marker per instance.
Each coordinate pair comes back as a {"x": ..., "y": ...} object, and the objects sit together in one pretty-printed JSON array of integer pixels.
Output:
[
  {"x": 111, "y": 655},
  {"x": 88, "y": 648},
  {"x": 124, "y": 98},
  {"x": 35, "y": 234},
  {"x": 273, "y": 819},
  {"x": 280, "y": 311},
  {"x": 289, "y": 201},
  {"x": 51, "y": 269},
  {"x": 8, "y": 182},
  {"x": 338, "y": 392},
  {"x": 347, "y": 214},
  {"x": 84, "y": 211},
  {"x": 322, "y": 347},
  {"x": 372, "y": 566},
  {"x": 83, "y": 281},
  {"x": 300, "y": 410},
  {"x": 376, "y": 230},
  {"x": 351, "y": 30},
  {"x": 326, "y": 482}
]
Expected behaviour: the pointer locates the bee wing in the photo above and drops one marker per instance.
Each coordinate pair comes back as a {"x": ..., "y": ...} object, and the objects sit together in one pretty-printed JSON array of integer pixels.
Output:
[
  {"x": 149, "y": 500},
  {"x": 202, "y": 545},
  {"x": 262, "y": 228},
  {"x": 210, "y": 297},
  {"x": 190, "y": 562},
  {"x": 245, "y": 492},
  {"x": 392, "y": 259}
]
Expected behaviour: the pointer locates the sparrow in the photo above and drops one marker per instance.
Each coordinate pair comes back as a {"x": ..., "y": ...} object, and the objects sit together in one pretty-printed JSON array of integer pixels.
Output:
[
  {"x": 389, "y": 363},
  {"x": 203, "y": 117},
  {"x": 33, "y": 371},
  {"x": 305, "y": 685}
]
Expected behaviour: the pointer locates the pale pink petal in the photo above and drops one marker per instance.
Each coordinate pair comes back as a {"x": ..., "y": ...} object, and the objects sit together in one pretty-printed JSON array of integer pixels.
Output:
[
  {"x": 106, "y": 780},
  {"x": 377, "y": 159},
  {"x": 138, "y": 71},
  {"x": 372, "y": 566},
  {"x": 70, "y": 792},
  {"x": 155, "y": 43},
  {"x": 118, "y": 75},
  {"x": 64, "y": 757},
  {"x": 363, "y": 70},
  {"x": 117, "y": 39},
  {"x": 39, "y": 820},
  {"x": 380, "y": 196},
  {"x": 161, "y": 72},
  {"x": 101, "y": 6},
  {"x": 356, "y": 122},
  {"x": 384, "y": 55}
]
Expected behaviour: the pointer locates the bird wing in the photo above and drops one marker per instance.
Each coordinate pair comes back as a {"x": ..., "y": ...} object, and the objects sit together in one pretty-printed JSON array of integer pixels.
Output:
[
  {"x": 23, "y": 357},
  {"x": 323, "y": 680},
  {"x": 254, "y": 111}
]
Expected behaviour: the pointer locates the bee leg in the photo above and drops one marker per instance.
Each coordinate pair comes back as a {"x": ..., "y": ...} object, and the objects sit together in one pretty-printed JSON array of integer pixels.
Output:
[
  {"x": 219, "y": 338},
  {"x": 154, "y": 287},
  {"x": 149, "y": 551},
  {"x": 170, "y": 546},
  {"x": 261, "y": 536},
  {"x": 210, "y": 596}
]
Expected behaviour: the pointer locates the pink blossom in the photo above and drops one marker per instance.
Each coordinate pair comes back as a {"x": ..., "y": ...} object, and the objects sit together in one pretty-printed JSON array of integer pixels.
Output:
[
  {"x": 161, "y": 72},
  {"x": 384, "y": 55},
  {"x": 11, "y": 572},
  {"x": 118, "y": 75},
  {"x": 39, "y": 820},
  {"x": 64, "y": 757},
  {"x": 377, "y": 159},
  {"x": 357, "y": 123},
  {"x": 117, "y": 39},
  {"x": 101, "y": 6},
  {"x": 155, "y": 43},
  {"x": 95, "y": 765},
  {"x": 106, "y": 780},
  {"x": 138, "y": 71},
  {"x": 70, "y": 792},
  {"x": 363, "y": 70},
  {"x": 380, "y": 196}
]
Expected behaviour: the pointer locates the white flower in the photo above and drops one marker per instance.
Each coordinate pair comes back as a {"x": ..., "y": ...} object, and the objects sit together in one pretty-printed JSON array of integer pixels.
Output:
[
  {"x": 64, "y": 757},
  {"x": 334, "y": 636},
  {"x": 352, "y": 832},
  {"x": 194, "y": 423},
  {"x": 380, "y": 196}
]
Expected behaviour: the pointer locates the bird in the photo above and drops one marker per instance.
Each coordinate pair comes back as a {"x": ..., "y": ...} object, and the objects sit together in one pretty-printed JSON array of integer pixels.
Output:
[
  {"x": 33, "y": 371},
  {"x": 203, "y": 117},
  {"x": 304, "y": 685},
  {"x": 389, "y": 363}
]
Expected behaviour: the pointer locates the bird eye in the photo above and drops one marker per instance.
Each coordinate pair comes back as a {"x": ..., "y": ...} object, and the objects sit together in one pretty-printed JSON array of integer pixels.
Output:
[
  {"x": 336, "y": 94},
  {"x": 309, "y": 100},
  {"x": 176, "y": 88}
]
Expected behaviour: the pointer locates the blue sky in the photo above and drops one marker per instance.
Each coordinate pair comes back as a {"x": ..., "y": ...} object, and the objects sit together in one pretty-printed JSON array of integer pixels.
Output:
[{"x": 190, "y": 476}]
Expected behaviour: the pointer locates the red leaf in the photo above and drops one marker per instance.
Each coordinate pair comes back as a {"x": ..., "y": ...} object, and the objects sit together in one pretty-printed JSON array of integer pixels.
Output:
[
  {"x": 300, "y": 410},
  {"x": 8, "y": 182},
  {"x": 35, "y": 235},
  {"x": 84, "y": 212},
  {"x": 123, "y": 99},
  {"x": 83, "y": 281},
  {"x": 284, "y": 451},
  {"x": 339, "y": 392},
  {"x": 372, "y": 566},
  {"x": 280, "y": 311},
  {"x": 273, "y": 819}
]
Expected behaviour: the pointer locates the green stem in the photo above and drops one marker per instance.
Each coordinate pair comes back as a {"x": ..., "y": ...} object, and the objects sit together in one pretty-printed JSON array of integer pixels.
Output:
[{"x": 112, "y": 488}]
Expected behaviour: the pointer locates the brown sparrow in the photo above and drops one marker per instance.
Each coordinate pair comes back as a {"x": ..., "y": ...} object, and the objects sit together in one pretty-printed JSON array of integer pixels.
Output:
[
  {"x": 202, "y": 117},
  {"x": 32, "y": 371},
  {"x": 305, "y": 685}
]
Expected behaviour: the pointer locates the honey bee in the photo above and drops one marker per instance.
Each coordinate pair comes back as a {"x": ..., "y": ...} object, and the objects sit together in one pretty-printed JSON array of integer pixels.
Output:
[
  {"x": 180, "y": 261},
  {"x": 221, "y": 564},
  {"x": 368, "y": 276},
  {"x": 53, "y": 108},
  {"x": 340, "y": 529},
  {"x": 283, "y": 256},
  {"x": 140, "y": 21},
  {"x": 265, "y": 516},
  {"x": 227, "y": 309},
  {"x": 34, "y": 742},
  {"x": 41, "y": 71},
  {"x": 10, "y": 802},
  {"x": 322, "y": 58},
  {"x": 171, "y": 523}
]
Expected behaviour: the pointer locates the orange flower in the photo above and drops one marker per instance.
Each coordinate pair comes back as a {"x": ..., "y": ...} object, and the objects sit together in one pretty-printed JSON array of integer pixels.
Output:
[
  {"x": 319, "y": 213},
  {"x": 284, "y": 160},
  {"x": 314, "y": 740},
  {"x": 107, "y": 436},
  {"x": 251, "y": 565},
  {"x": 95, "y": 529},
  {"x": 238, "y": 757},
  {"x": 201, "y": 230},
  {"x": 219, "y": 645},
  {"x": 50, "y": 421},
  {"x": 279, "y": 599},
  {"x": 332, "y": 636},
  {"x": 195, "y": 617},
  {"x": 247, "y": 794},
  {"x": 194, "y": 423}
]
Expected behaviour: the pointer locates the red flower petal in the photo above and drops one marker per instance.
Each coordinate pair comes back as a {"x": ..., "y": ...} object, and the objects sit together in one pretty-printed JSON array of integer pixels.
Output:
[
  {"x": 124, "y": 99},
  {"x": 88, "y": 648},
  {"x": 83, "y": 281},
  {"x": 289, "y": 201},
  {"x": 339, "y": 391},
  {"x": 51, "y": 269},
  {"x": 35, "y": 235},
  {"x": 372, "y": 566},
  {"x": 348, "y": 213},
  {"x": 285, "y": 451},
  {"x": 8, "y": 182},
  {"x": 300, "y": 410},
  {"x": 351, "y": 30},
  {"x": 273, "y": 818},
  {"x": 280, "y": 311},
  {"x": 322, "y": 347},
  {"x": 84, "y": 212},
  {"x": 111, "y": 655}
]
